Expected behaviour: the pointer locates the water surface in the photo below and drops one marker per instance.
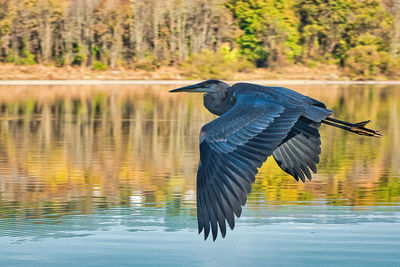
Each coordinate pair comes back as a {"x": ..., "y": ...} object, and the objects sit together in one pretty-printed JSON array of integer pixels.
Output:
[{"x": 101, "y": 175}]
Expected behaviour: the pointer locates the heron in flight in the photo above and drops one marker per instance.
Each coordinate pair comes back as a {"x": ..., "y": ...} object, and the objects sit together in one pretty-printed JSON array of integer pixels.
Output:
[{"x": 254, "y": 122}]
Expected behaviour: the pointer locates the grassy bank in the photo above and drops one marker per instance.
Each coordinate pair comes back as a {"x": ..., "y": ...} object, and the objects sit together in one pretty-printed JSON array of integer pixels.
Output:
[{"x": 9, "y": 71}]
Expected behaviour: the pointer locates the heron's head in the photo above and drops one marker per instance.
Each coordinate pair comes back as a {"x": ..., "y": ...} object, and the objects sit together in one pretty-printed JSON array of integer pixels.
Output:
[{"x": 209, "y": 86}]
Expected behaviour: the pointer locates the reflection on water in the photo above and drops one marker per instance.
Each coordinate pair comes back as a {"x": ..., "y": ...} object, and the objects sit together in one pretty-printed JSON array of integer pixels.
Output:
[{"x": 77, "y": 159}]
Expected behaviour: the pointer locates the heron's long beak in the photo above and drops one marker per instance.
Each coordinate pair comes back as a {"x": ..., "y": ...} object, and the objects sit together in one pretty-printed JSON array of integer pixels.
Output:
[{"x": 195, "y": 88}]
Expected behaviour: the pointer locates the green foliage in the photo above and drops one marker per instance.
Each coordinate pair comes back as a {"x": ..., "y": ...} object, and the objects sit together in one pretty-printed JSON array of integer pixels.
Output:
[
  {"x": 268, "y": 30},
  {"x": 78, "y": 59},
  {"x": 98, "y": 65},
  {"x": 10, "y": 58},
  {"x": 363, "y": 61},
  {"x": 322, "y": 24},
  {"x": 389, "y": 65},
  {"x": 96, "y": 52},
  {"x": 366, "y": 62},
  {"x": 78, "y": 56},
  {"x": 220, "y": 65},
  {"x": 331, "y": 28},
  {"x": 26, "y": 58},
  {"x": 264, "y": 33}
]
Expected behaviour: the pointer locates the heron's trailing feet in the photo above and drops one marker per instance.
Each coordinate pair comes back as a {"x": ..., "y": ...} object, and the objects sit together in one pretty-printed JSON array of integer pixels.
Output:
[{"x": 358, "y": 127}]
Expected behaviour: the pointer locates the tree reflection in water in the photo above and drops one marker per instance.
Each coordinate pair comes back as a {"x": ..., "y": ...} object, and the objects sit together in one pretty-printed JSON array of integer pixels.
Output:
[{"x": 79, "y": 149}]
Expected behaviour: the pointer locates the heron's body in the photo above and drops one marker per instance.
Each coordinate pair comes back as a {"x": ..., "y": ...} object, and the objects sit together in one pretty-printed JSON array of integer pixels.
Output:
[
  {"x": 222, "y": 102},
  {"x": 255, "y": 122}
]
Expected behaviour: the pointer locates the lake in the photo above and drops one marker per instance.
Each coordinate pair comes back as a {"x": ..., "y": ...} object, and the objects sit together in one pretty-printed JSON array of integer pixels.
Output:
[{"x": 105, "y": 175}]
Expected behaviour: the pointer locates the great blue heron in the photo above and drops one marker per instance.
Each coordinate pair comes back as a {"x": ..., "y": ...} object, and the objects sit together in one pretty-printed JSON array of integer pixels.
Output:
[{"x": 255, "y": 121}]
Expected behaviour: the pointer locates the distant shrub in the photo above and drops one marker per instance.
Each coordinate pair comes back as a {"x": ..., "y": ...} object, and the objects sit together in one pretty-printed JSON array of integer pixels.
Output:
[
  {"x": 59, "y": 61},
  {"x": 389, "y": 66},
  {"x": 366, "y": 62},
  {"x": 98, "y": 65},
  {"x": 312, "y": 63},
  {"x": 144, "y": 65},
  {"x": 26, "y": 58},
  {"x": 363, "y": 61},
  {"x": 10, "y": 58},
  {"x": 221, "y": 64},
  {"x": 96, "y": 52},
  {"x": 79, "y": 57},
  {"x": 148, "y": 62}
]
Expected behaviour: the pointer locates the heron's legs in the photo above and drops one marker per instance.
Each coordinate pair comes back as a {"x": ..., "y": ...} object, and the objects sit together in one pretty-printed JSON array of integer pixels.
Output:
[{"x": 358, "y": 127}]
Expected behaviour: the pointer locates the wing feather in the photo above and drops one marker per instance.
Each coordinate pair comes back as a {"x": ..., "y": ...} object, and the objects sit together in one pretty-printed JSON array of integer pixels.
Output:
[
  {"x": 299, "y": 151},
  {"x": 232, "y": 147}
]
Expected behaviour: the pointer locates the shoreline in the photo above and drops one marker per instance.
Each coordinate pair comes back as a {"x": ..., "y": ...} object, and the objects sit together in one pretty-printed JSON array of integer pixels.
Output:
[
  {"x": 186, "y": 82},
  {"x": 11, "y": 74}
]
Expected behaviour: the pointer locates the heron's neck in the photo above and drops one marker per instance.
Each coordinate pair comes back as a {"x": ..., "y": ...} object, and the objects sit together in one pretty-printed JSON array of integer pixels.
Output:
[{"x": 219, "y": 102}]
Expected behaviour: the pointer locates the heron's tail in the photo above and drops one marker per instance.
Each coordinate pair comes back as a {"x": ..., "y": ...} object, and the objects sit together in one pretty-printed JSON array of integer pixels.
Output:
[{"x": 357, "y": 127}]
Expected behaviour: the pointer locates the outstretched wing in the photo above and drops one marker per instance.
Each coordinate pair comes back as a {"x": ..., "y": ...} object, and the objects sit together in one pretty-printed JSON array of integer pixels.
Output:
[
  {"x": 299, "y": 151},
  {"x": 232, "y": 147}
]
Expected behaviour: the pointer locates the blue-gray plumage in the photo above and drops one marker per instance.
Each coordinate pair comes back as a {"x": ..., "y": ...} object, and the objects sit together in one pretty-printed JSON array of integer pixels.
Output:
[{"x": 255, "y": 122}]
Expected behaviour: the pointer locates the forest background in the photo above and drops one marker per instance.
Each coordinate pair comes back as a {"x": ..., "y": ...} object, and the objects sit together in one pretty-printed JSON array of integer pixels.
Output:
[{"x": 227, "y": 39}]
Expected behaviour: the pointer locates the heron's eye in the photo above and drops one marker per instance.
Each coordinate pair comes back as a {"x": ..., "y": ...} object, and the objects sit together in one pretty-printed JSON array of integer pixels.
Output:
[{"x": 203, "y": 85}]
